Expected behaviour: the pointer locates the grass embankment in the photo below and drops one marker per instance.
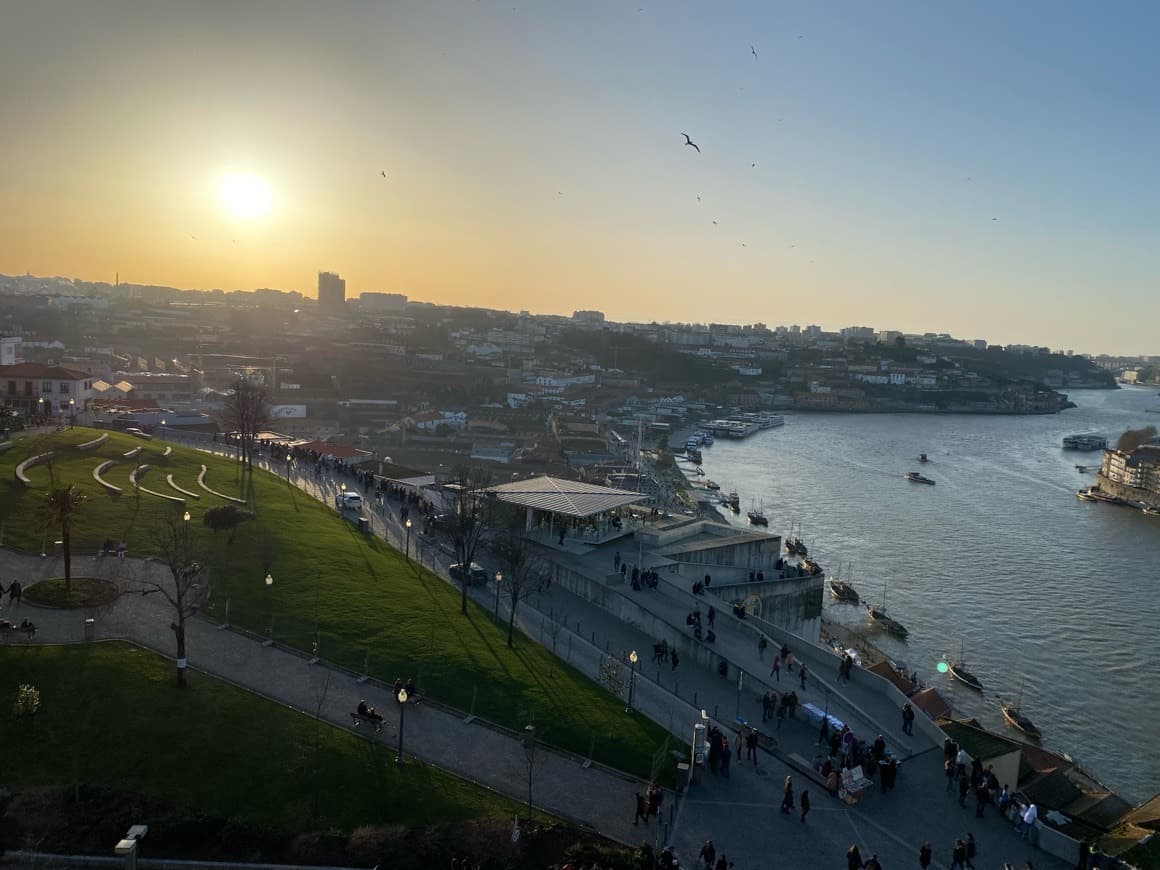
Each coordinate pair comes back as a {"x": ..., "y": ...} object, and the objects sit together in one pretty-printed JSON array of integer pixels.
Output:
[
  {"x": 360, "y": 599},
  {"x": 83, "y": 592},
  {"x": 110, "y": 716}
]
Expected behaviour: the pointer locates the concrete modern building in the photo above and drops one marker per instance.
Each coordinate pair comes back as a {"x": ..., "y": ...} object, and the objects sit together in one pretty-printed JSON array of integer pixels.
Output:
[
  {"x": 331, "y": 293},
  {"x": 10, "y": 353}
]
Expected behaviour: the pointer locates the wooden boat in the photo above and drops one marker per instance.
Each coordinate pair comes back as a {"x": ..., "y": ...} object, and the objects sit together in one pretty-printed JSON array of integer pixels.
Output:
[
  {"x": 922, "y": 458},
  {"x": 878, "y": 617},
  {"x": 959, "y": 672},
  {"x": 842, "y": 590},
  {"x": 757, "y": 518},
  {"x": 1015, "y": 718}
]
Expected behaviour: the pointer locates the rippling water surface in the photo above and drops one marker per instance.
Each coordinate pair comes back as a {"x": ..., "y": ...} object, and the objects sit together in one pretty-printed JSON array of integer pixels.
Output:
[{"x": 999, "y": 556}]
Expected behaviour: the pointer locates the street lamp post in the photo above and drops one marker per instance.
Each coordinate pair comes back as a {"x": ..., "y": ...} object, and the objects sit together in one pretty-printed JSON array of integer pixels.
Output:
[
  {"x": 632, "y": 658},
  {"x": 72, "y": 412},
  {"x": 402, "y": 699},
  {"x": 498, "y": 580},
  {"x": 40, "y": 409},
  {"x": 162, "y": 428},
  {"x": 407, "y": 547},
  {"x": 270, "y": 608},
  {"x": 289, "y": 459}
]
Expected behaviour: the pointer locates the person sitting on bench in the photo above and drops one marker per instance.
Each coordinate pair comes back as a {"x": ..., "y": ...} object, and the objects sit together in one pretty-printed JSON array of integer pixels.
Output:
[
  {"x": 28, "y": 627},
  {"x": 368, "y": 712}
]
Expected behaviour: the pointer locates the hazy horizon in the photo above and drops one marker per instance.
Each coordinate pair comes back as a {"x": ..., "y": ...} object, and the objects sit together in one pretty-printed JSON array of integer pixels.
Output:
[{"x": 985, "y": 171}]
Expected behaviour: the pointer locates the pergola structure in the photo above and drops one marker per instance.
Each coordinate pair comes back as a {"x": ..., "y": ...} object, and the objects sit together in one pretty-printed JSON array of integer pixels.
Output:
[{"x": 567, "y": 510}]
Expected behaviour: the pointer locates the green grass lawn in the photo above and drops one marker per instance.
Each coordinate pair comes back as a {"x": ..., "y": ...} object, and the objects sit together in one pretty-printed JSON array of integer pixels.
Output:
[
  {"x": 361, "y": 600},
  {"x": 110, "y": 715}
]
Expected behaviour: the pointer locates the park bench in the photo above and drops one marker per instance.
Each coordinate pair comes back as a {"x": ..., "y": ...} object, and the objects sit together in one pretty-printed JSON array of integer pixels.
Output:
[{"x": 357, "y": 719}]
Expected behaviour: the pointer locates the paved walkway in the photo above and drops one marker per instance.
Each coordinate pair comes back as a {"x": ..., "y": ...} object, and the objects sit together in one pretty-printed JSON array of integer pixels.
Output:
[{"x": 739, "y": 814}]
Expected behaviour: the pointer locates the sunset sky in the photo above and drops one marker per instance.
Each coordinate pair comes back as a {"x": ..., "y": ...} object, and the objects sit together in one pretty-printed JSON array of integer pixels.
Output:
[{"x": 535, "y": 159}]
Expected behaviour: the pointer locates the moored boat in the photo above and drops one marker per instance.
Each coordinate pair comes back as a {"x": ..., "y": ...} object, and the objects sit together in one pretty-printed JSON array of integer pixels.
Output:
[
  {"x": 893, "y": 626},
  {"x": 1015, "y": 718},
  {"x": 843, "y": 591},
  {"x": 959, "y": 671},
  {"x": 757, "y": 518}
]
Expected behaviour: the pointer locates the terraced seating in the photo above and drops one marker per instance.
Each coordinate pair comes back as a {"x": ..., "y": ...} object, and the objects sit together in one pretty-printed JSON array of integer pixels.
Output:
[
  {"x": 31, "y": 461},
  {"x": 201, "y": 483},
  {"x": 100, "y": 470}
]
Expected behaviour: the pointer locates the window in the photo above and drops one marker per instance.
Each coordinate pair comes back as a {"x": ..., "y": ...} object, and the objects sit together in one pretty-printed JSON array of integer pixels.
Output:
[
  {"x": 46, "y": 387},
  {"x": 64, "y": 388},
  {"x": 28, "y": 388},
  {"x": 12, "y": 388}
]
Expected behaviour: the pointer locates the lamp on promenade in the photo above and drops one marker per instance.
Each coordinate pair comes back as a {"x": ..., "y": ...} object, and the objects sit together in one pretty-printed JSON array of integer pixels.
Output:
[
  {"x": 40, "y": 410},
  {"x": 402, "y": 699},
  {"x": 72, "y": 412},
  {"x": 407, "y": 547},
  {"x": 162, "y": 436},
  {"x": 289, "y": 459},
  {"x": 632, "y": 658},
  {"x": 498, "y": 580}
]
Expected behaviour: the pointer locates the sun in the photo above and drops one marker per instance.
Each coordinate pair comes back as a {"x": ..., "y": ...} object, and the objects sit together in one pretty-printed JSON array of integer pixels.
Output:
[{"x": 245, "y": 195}]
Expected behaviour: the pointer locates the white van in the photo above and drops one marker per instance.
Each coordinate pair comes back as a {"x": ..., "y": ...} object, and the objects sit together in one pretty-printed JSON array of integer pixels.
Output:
[{"x": 348, "y": 500}]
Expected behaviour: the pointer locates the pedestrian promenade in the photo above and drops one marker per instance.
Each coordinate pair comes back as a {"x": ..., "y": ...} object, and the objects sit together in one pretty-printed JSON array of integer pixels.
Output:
[{"x": 739, "y": 814}]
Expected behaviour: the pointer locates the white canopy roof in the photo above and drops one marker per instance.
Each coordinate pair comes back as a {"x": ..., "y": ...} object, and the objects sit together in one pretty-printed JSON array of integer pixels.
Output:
[{"x": 569, "y": 497}]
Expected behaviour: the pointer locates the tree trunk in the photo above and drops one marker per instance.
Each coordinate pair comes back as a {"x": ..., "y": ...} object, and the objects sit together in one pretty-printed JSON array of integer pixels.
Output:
[
  {"x": 179, "y": 633},
  {"x": 512, "y": 619}
]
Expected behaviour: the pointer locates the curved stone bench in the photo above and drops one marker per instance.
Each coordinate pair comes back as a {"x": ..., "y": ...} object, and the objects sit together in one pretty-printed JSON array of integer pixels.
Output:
[
  {"x": 101, "y": 469},
  {"x": 185, "y": 492},
  {"x": 28, "y": 463},
  {"x": 140, "y": 471},
  {"x": 4, "y": 445},
  {"x": 133, "y": 454},
  {"x": 201, "y": 483},
  {"x": 166, "y": 454},
  {"x": 96, "y": 442}
]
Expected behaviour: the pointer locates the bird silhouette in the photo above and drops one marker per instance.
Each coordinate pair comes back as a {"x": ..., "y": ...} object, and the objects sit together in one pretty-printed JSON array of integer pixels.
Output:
[
  {"x": 193, "y": 237},
  {"x": 698, "y": 199},
  {"x": 714, "y": 223},
  {"x": 383, "y": 173},
  {"x": 752, "y": 165},
  {"x": 994, "y": 219},
  {"x": 689, "y": 141},
  {"x": 753, "y": 51}
]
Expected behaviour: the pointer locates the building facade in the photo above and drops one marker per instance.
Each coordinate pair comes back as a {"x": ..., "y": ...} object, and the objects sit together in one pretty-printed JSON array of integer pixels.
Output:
[
  {"x": 331, "y": 293},
  {"x": 44, "y": 390}
]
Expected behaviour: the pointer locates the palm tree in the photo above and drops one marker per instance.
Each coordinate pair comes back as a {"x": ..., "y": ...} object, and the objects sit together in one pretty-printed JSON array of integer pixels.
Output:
[{"x": 58, "y": 510}]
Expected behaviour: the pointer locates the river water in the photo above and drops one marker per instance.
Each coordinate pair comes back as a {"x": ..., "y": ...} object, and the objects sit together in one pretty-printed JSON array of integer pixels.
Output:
[{"x": 1040, "y": 589}]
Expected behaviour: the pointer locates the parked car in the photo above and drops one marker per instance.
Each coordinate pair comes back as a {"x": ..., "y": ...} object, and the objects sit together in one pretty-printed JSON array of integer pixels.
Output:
[
  {"x": 475, "y": 576},
  {"x": 347, "y": 500}
]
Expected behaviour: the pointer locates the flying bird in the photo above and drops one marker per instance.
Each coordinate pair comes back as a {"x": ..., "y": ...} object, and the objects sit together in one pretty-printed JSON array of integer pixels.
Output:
[
  {"x": 383, "y": 173},
  {"x": 689, "y": 141},
  {"x": 753, "y": 51},
  {"x": 698, "y": 199},
  {"x": 752, "y": 165},
  {"x": 714, "y": 223},
  {"x": 994, "y": 219},
  {"x": 193, "y": 237}
]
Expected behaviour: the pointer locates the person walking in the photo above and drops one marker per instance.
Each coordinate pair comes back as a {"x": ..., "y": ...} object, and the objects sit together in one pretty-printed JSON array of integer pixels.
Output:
[
  {"x": 908, "y": 719},
  {"x": 14, "y": 593},
  {"x": 924, "y": 856},
  {"x": 712, "y": 615},
  {"x": 708, "y": 854},
  {"x": 723, "y": 862},
  {"x": 982, "y": 795},
  {"x": 964, "y": 789},
  {"x": 674, "y": 658},
  {"x": 972, "y": 850},
  {"x": 853, "y": 858},
  {"x": 802, "y": 671},
  {"x": 726, "y": 756},
  {"x": 751, "y": 746},
  {"x": 641, "y": 809},
  {"x": 959, "y": 856},
  {"x": 616, "y": 561},
  {"x": 949, "y": 770},
  {"x": 787, "y": 796},
  {"x": 775, "y": 671},
  {"x": 805, "y": 803}
]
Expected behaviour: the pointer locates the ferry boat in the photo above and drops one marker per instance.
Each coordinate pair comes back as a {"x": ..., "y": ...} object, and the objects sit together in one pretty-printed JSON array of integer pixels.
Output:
[
  {"x": 1085, "y": 442},
  {"x": 915, "y": 477},
  {"x": 757, "y": 518}
]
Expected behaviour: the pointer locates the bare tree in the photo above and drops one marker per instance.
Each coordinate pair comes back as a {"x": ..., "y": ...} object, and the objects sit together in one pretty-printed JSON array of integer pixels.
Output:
[
  {"x": 467, "y": 526},
  {"x": 246, "y": 413},
  {"x": 520, "y": 562},
  {"x": 58, "y": 510},
  {"x": 175, "y": 548}
]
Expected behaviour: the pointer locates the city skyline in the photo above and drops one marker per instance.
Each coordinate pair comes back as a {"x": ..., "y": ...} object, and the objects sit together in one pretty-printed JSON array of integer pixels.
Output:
[{"x": 980, "y": 171}]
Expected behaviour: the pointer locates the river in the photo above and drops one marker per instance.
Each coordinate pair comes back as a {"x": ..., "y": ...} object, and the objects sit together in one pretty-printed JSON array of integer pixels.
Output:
[{"x": 999, "y": 558}]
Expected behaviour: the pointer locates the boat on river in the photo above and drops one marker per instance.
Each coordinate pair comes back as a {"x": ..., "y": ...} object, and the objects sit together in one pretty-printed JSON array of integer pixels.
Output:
[
  {"x": 879, "y": 617},
  {"x": 757, "y": 517},
  {"x": 959, "y": 671},
  {"x": 915, "y": 477},
  {"x": 842, "y": 590},
  {"x": 1014, "y": 716}
]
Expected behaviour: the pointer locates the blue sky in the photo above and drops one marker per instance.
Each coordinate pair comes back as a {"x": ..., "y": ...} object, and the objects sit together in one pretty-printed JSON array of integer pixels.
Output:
[{"x": 535, "y": 156}]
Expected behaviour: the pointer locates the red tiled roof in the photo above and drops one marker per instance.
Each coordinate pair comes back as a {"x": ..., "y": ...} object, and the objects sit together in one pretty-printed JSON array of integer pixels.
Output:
[{"x": 40, "y": 370}]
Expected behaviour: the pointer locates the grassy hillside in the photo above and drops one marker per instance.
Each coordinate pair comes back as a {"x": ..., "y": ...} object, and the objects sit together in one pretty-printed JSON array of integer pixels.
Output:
[
  {"x": 361, "y": 601},
  {"x": 111, "y": 716}
]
